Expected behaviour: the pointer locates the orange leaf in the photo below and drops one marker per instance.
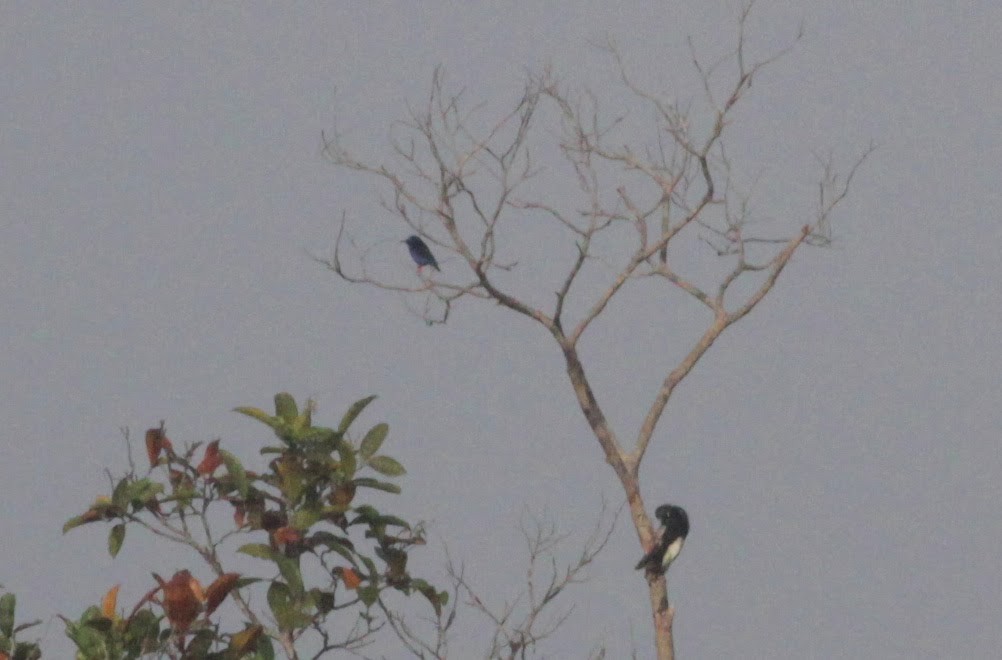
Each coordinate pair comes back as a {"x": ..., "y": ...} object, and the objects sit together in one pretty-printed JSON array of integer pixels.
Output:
[
  {"x": 286, "y": 535},
  {"x": 239, "y": 515},
  {"x": 110, "y": 602},
  {"x": 181, "y": 600},
  {"x": 218, "y": 590},
  {"x": 351, "y": 578},
  {"x": 211, "y": 460}
]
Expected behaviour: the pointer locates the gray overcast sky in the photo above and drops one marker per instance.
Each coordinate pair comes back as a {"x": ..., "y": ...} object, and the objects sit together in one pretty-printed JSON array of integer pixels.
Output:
[{"x": 837, "y": 450}]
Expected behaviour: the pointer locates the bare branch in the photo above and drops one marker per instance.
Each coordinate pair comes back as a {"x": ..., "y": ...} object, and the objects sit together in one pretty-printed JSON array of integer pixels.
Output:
[
  {"x": 521, "y": 624},
  {"x": 831, "y": 192}
]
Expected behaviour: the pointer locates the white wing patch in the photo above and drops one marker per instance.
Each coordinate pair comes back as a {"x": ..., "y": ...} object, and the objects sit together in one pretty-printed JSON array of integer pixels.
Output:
[{"x": 672, "y": 551}]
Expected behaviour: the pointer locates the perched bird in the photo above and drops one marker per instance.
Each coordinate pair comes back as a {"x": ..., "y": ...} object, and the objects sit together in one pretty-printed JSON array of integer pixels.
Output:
[
  {"x": 420, "y": 253},
  {"x": 671, "y": 536}
]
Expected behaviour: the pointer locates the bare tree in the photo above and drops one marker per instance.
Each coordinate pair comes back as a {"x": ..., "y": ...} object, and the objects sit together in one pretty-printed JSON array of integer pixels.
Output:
[{"x": 460, "y": 188}]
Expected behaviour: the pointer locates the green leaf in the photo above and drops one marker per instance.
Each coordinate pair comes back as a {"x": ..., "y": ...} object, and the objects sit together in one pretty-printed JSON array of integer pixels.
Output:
[
  {"x": 288, "y": 611},
  {"x": 393, "y": 520},
  {"x": 342, "y": 546},
  {"x": 322, "y": 436},
  {"x": 90, "y": 641},
  {"x": 386, "y": 465},
  {"x": 438, "y": 599},
  {"x": 366, "y": 513},
  {"x": 259, "y": 550},
  {"x": 370, "y": 566},
  {"x": 368, "y": 594},
  {"x": 143, "y": 630},
  {"x": 7, "y": 604},
  {"x": 305, "y": 518},
  {"x": 292, "y": 481},
  {"x": 378, "y": 485},
  {"x": 285, "y": 407},
  {"x": 260, "y": 415},
  {"x": 76, "y": 521},
  {"x": 121, "y": 495},
  {"x": 142, "y": 492},
  {"x": 265, "y": 650},
  {"x": 353, "y": 412},
  {"x": 199, "y": 645},
  {"x": 289, "y": 568},
  {"x": 115, "y": 539},
  {"x": 100, "y": 623},
  {"x": 324, "y": 600},
  {"x": 279, "y": 602},
  {"x": 236, "y": 470},
  {"x": 305, "y": 419},
  {"x": 349, "y": 464},
  {"x": 373, "y": 440}
]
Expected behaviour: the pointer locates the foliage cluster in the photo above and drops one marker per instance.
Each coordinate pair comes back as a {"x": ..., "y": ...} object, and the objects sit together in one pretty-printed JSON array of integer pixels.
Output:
[{"x": 328, "y": 557}]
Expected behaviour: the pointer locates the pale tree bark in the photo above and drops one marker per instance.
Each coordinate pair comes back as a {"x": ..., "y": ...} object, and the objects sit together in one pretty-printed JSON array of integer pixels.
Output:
[{"x": 457, "y": 188}]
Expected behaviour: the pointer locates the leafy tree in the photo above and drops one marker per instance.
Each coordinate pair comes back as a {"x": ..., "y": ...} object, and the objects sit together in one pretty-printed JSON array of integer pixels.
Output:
[
  {"x": 464, "y": 184},
  {"x": 328, "y": 559},
  {"x": 10, "y": 647}
]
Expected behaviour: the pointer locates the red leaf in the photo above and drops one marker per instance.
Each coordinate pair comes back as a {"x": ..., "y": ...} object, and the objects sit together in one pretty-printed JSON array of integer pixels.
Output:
[
  {"x": 212, "y": 459},
  {"x": 218, "y": 591},
  {"x": 182, "y": 600},
  {"x": 154, "y": 445}
]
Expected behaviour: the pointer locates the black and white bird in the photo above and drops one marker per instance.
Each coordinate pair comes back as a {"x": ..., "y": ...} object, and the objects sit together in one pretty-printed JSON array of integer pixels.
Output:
[{"x": 671, "y": 537}]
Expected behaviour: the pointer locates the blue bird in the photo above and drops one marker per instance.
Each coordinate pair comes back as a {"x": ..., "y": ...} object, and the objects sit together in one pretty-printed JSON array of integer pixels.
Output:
[
  {"x": 671, "y": 537},
  {"x": 420, "y": 253}
]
